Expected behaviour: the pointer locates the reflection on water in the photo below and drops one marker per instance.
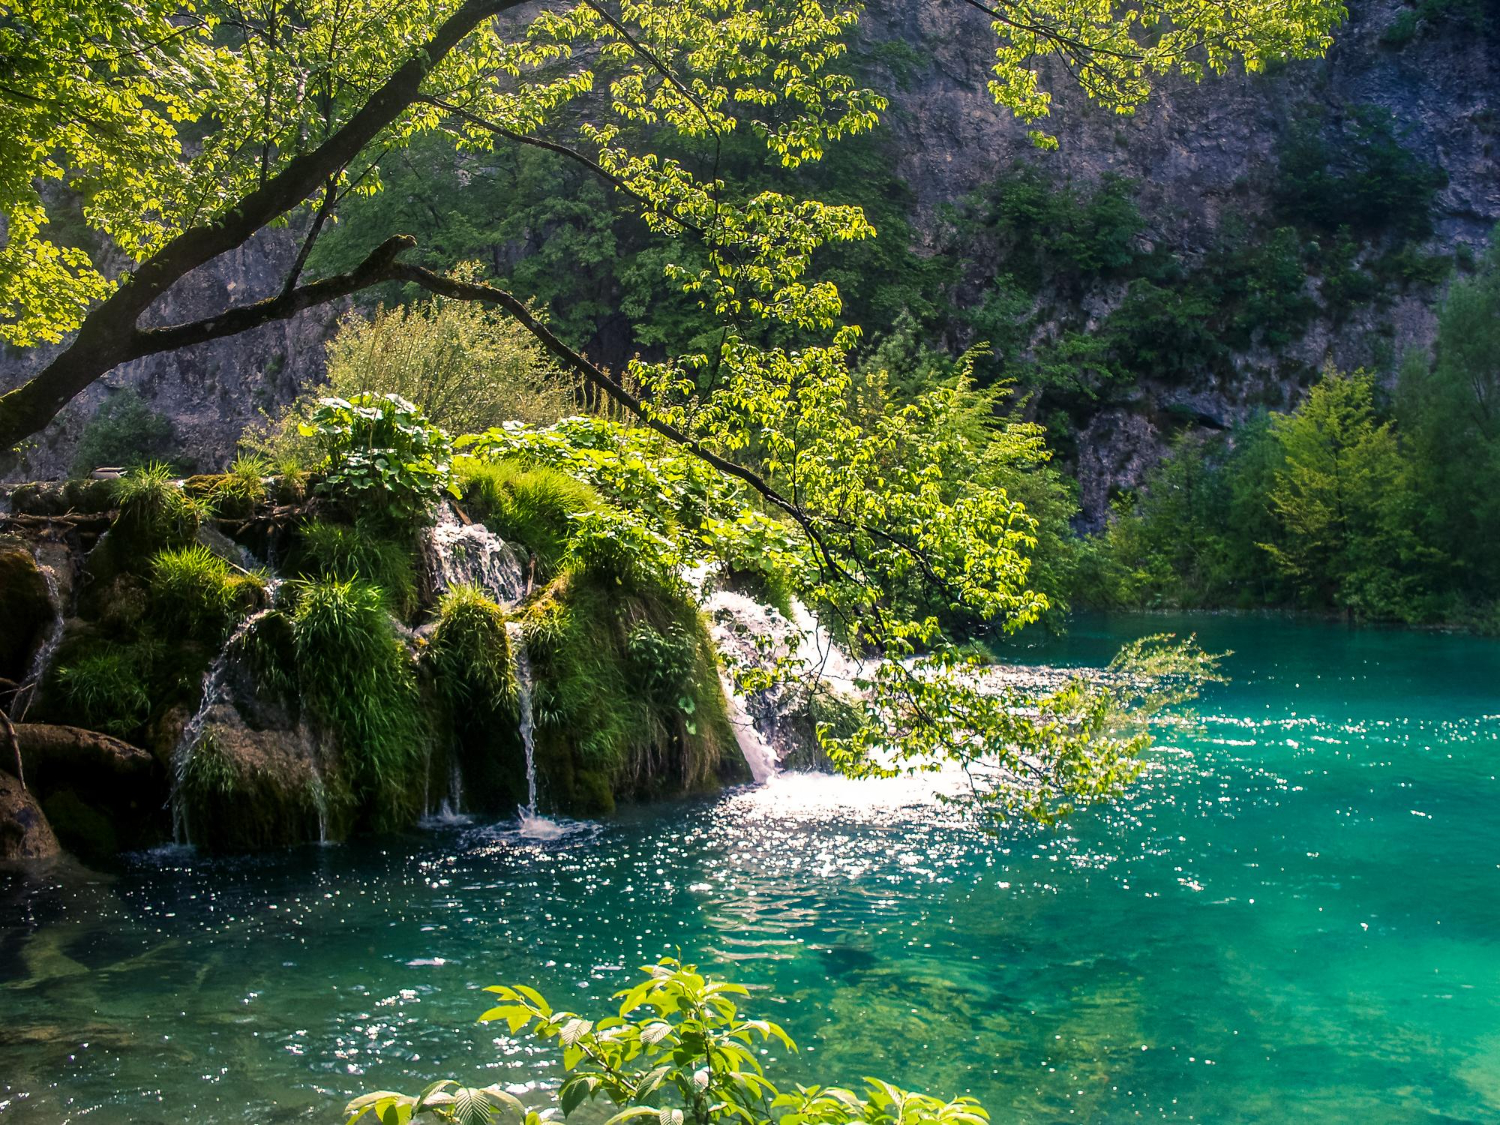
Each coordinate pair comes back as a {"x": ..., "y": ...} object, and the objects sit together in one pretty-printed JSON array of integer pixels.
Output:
[{"x": 1296, "y": 916}]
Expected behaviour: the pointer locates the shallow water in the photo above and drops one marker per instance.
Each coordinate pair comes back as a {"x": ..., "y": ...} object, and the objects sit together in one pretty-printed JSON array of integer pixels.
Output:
[{"x": 1294, "y": 917}]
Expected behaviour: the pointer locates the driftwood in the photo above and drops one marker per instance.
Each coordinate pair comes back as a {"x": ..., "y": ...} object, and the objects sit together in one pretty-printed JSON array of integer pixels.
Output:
[
  {"x": 15, "y": 746},
  {"x": 78, "y": 520}
]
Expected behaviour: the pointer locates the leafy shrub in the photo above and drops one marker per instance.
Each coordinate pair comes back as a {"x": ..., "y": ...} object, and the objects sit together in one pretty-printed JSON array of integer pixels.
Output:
[
  {"x": 153, "y": 509},
  {"x": 381, "y": 454},
  {"x": 366, "y": 551},
  {"x": 1355, "y": 172},
  {"x": 194, "y": 590},
  {"x": 355, "y": 675},
  {"x": 675, "y": 1051},
  {"x": 123, "y": 432},
  {"x": 108, "y": 688},
  {"x": 533, "y": 505}
]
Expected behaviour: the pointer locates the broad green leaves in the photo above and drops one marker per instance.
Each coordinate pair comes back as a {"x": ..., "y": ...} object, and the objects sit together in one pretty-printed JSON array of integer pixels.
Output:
[
  {"x": 678, "y": 1053},
  {"x": 382, "y": 452}
]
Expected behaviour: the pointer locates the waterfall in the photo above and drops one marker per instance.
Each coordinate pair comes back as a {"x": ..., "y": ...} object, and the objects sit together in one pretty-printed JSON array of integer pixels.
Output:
[
  {"x": 458, "y": 553},
  {"x": 213, "y": 685},
  {"x": 42, "y": 660},
  {"x": 532, "y": 822},
  {"x": 760, "y": 757}
]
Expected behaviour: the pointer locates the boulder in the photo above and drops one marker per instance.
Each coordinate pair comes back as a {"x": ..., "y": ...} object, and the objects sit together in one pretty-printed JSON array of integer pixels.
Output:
[
  {"x": 102, "y": 795},
  {"x": 247, "y": 789},
  {"x": 24, "y": 831},
  {"x": 26, "y": 610}
]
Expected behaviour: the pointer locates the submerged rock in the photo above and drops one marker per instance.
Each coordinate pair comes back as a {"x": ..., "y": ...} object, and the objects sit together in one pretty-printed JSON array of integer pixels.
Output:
[{"x": 24, "y": 831}]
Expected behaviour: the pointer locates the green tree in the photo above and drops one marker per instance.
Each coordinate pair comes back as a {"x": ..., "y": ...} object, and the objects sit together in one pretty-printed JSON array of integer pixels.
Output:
[
  {"x": 219, "y": 123},
  {"x": 1342, "y": 498},
  {"x": 1449, "y": 407}
]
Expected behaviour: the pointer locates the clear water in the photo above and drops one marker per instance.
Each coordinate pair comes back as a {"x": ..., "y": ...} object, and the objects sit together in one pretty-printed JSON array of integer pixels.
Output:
[{"x": 1295, "y": 917}]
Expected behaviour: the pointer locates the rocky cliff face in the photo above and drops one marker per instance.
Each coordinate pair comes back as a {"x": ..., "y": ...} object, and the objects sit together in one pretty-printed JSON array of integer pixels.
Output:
[
  {"x": 1203, "y": 153},
  {"x": 1200, "y": 153}
]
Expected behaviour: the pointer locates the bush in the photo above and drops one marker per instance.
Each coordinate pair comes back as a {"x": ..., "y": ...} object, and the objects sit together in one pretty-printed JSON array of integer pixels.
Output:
[
  {"x": 1355, "y": 172},
  {"x": 675, "y": 1050},
  {"x": 362, "y": 551},
  {"x": 534, "y": 506},
  {"x": 194, "y": 590},
  {"x": 123, "y": 432},
  {"x": 382, "y": 456},
  {"x": 466, "y": 367}
]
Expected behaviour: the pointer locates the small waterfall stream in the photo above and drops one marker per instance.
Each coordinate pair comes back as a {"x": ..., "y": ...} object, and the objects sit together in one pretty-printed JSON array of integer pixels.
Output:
[
  {"x": 533, "y": 824},
  {"x": 42, "y": 660},
  {"x": 458, "y": 553},
  {"x": 213, "y": 686}
]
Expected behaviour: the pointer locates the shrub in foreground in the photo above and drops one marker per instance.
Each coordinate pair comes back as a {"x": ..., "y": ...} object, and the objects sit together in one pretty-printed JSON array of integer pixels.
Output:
[{"x": 677, "y": 1053}]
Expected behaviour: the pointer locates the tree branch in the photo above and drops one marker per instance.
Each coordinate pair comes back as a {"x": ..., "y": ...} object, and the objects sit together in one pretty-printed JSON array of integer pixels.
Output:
[{"x": 375, "y": 269}]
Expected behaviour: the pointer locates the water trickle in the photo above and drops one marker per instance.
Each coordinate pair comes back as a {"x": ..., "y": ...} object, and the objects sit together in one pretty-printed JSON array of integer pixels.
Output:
[
  {"x": 42, "y": 660},
  {"x": 532, "y": 822},
  {"x": 459, "y": 553},
  {"x": 213, "y": 686},
  {"x": 759, "y": 755}
]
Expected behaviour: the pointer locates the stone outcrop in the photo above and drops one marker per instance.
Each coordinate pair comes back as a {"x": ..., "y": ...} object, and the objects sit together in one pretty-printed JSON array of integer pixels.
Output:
[
  {"x": 24, "y": 831},
  {"x": 26, "y": 610},
  {"x": 102, "y": 795}
]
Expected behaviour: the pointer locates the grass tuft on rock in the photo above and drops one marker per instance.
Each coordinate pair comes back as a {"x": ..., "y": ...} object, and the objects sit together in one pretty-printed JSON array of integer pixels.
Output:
[
  {"x": 108, "y": 688},
  {"x": 361, "y": 552},
  {"x": 532, "y": 505},
  {"x": 194, "y": 590},
  {"x": 153, "y": 509},
  {"x": 470, "y": 651},
  {"x": 355, "y": 675}
]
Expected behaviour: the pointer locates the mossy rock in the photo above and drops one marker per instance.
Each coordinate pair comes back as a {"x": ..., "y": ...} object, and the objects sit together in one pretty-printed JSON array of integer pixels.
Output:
[
  {"x": 248, "y": 790},
  {"x": 26, "y": 609},
  {"x": 56, "y": 498},
  {"x": 24, "y": 830},
  {"x": 627, "y": 689},
  {"x": 82, "y": 828}
]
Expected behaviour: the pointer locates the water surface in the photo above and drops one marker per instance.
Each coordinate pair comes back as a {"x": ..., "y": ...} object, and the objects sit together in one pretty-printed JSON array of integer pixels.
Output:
[{"x": 1294, "y": 917}]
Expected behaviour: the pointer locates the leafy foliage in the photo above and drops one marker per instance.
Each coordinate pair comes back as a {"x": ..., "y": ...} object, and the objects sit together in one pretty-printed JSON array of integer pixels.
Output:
[
  {"x": 678, "y": 1051},
  {"x": 534, "y": 505},
  {"x": 381, "y": 454}
]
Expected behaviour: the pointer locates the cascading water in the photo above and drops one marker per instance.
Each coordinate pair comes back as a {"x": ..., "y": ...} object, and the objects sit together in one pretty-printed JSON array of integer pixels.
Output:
[
  {"x": 459, "y": 553},
  {"x": 533, "y": 824},
  {"x": 42, "y": 660},
  {"x": 213, "y": 685}
]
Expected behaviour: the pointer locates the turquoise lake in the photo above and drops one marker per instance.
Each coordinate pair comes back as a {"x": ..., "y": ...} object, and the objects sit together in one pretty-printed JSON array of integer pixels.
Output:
[{"x": 1294, "y": 916}]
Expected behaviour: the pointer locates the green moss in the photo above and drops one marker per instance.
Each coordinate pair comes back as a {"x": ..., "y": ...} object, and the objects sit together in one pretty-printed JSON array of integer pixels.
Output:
[
  {"x": 534, "y": 506},
  {"x": 194, "y": 590},
  {"x": 362, "y": 552},
  {"x": 626, "y": 688}
]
